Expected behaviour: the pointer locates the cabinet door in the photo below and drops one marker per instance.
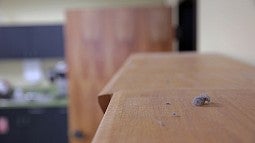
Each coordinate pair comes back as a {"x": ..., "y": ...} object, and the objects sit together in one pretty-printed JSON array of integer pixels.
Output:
[
  {"x": 97, "y": 43},
  {"x": 48, "y": 125},
  {"x": 47, "y": 41},
  {"x": 14, "y": 42},
  {"x": 35, "y": 125},
  {"x": 31, "y": 41}
]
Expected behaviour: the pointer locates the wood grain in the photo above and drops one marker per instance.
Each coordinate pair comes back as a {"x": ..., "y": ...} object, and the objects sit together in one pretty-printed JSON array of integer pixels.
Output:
[
  {"x": 179, "y": 71},
  {"x": 149, "y": 88},
  {"x": 97, "y": 43},
  {"x": 145, "y": 116}
]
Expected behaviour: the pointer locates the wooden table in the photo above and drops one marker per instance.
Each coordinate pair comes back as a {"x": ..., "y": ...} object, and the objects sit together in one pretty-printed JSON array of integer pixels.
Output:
[{"x": 151, "y": 100}]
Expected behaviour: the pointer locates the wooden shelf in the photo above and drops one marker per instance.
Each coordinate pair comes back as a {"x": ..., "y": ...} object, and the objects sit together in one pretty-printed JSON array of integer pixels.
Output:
[{"x": 150, "y": 88}]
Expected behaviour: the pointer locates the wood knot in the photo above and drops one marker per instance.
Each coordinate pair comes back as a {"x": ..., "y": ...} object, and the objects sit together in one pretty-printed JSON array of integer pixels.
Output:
[
  {"x": 175, "y": 115},
  {"x": 168, "y": 103}
]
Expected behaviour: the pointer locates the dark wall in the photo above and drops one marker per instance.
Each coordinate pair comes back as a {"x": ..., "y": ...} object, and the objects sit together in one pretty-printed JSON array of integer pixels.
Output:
[{"x": 31, "y": 41}]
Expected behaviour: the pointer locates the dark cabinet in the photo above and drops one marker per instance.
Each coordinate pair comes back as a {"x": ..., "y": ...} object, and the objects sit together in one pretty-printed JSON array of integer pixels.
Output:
[
  {"x": 31, "y": 41},
  {"x": 14, "y": 41},
  {"x": 47, "y": 41},
  {"x": 38, "y": 125}
]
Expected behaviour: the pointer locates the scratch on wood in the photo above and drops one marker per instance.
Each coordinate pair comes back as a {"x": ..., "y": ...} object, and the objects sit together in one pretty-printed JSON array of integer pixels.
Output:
[{"x": 161, "y": 123}]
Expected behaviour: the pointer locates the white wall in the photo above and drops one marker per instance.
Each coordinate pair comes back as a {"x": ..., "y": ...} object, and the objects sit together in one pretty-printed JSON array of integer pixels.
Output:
[
  {"x": 228, "y": 27},
  {"x": 13, "y": 12}
]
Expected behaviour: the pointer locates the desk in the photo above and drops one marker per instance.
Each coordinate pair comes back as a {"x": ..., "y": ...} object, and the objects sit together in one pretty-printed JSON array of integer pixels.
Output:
[{"x": 149, "y": 88}]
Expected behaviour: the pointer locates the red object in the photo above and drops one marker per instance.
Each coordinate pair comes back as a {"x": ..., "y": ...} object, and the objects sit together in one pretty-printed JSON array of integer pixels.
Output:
[{"x": 4, "y": 125}]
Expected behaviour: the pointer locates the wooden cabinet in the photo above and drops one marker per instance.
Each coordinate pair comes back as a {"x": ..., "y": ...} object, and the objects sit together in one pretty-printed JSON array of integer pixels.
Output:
[{"x": 97, "y": 42}]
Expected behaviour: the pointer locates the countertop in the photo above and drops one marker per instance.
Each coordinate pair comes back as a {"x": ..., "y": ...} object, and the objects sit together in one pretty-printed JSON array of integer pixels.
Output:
[
  {"x": 31, "y": 104},
  {"x": 12, "y": 71}
]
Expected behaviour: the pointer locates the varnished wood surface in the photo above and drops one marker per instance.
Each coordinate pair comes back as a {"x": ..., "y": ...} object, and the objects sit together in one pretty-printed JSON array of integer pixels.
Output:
[
  {"x": 149, "y": 88},
  {"x": 179, "y": 71},
  {"x": 147, "y": 117},
  {"x": 98, "y": 40}
]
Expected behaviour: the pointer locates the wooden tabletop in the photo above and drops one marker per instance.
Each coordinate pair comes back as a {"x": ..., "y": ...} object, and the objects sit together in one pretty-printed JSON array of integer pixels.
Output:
[{"x": 152, "y": 100}]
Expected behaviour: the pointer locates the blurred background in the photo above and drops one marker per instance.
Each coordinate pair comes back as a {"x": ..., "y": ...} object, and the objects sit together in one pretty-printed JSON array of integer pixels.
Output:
[{"x": 56, "y": 55}]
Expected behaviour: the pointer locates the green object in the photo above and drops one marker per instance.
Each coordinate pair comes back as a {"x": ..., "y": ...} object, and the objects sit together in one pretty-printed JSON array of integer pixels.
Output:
[
  {"x": 33, "y": 104},
  {"x": 54, "y": 99}
]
